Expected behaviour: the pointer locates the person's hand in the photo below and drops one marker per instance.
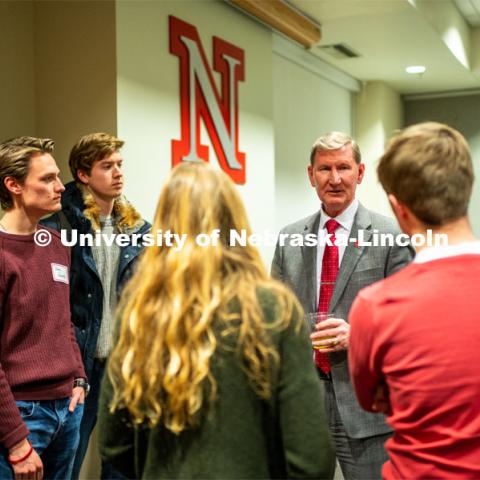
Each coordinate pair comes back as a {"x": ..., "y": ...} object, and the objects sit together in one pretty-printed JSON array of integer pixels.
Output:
[
  {"x": 381, "y": 400},
  {"x": 78, "y": 397},
  {"x": 31, "y": 468},
  {"x": 332, "y": 335}
]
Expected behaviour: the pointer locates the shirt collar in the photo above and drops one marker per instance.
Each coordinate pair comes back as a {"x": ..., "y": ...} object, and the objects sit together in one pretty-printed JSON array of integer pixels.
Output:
[
  {"x": 436, "y": 253},
  {"x": 345, "y": 219}
]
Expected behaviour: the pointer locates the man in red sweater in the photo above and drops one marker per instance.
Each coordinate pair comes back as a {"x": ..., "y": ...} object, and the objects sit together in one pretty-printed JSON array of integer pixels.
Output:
[
  {"x": 414, "y": 342},
  {"x": 42, "y": 380}
]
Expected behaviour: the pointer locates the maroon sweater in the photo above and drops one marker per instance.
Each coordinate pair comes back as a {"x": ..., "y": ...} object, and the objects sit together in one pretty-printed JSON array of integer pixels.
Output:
[{"x": 39, "y": 356}]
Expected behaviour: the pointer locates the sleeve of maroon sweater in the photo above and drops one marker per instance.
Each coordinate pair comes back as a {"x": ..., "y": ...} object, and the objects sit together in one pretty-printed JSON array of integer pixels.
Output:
[{"x": 12, "y": 427}]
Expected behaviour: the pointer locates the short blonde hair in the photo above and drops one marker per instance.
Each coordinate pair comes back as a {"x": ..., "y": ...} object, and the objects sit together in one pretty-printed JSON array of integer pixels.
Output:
[
  {"x": 335, "y": 141},
  {"x": 15, "y": 156},
  {"x": 428, "y": 167}
]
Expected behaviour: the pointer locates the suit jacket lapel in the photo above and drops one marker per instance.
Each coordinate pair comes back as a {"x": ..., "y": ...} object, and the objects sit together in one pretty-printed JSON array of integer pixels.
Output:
[
  {"x": 352, "y": 254},
  {"x": 310, "y": 262}
]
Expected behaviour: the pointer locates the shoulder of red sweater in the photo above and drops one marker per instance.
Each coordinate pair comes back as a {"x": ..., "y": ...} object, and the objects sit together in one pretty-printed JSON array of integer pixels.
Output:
[{"x": 379, "y": 291}]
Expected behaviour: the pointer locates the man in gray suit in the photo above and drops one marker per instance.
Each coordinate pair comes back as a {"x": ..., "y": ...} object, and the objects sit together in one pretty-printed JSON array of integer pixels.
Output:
[{"x": 327, "y": 279}]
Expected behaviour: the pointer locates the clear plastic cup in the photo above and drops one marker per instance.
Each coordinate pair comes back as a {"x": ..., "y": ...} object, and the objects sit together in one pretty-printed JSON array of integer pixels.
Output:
[{"x": 316, "y": 317}]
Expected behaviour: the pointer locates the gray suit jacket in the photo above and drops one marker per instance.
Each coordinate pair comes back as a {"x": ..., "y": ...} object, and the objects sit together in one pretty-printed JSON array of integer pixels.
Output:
[{"x": 360, "y": 267}]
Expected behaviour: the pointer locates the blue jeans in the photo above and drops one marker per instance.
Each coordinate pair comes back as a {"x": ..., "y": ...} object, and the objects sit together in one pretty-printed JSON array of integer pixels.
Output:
[
  {"x": 54, "y": 434},
  {"x": 88, "y": 422}
]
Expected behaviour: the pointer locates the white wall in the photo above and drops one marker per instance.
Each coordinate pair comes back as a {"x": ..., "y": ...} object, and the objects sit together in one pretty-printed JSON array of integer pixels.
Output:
[
  {"x": 284, "y": 107},
  {"x": 149, "y": 103},
  {"x": 306, "y": 105},
  {"x": 379, "y": 112}
]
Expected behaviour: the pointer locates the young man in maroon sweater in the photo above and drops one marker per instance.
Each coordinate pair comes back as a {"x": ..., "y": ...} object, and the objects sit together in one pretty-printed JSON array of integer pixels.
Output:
[
  {"x": 42, "y": 379},
  {"x": 414, "y": 341}
]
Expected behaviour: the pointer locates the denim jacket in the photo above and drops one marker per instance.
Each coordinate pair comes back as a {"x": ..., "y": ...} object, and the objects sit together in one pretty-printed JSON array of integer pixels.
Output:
[{"x": 86, "y": 291}]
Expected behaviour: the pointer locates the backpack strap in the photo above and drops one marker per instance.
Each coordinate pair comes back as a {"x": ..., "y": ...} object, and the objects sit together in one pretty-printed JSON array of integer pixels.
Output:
[{"x": 64, "y": 224}]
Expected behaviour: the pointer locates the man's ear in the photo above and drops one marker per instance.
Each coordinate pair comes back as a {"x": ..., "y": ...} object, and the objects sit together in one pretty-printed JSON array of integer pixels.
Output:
[
  {"x": 83, "y": 176},
  {"x": 407, "y": 220},
  {"x": 13, "y": 185},
  {"x": 404, "y": 215},
  {"x": 361, "y": 173},
  {"x": 399, "y": 209},
  {"x": 310, "y": 175}
]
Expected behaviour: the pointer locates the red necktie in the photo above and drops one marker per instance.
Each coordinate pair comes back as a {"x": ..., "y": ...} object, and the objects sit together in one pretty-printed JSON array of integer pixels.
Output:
[{"x": 327, "y": 284}]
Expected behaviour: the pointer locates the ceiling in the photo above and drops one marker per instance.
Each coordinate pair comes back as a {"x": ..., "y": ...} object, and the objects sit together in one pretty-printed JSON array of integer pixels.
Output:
[
  {"x": 389, "y": 35},
  {"x": 470, "y": 10}
]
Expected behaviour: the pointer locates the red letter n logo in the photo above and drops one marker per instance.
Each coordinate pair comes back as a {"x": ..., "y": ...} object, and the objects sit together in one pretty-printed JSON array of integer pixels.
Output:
[{"x": 199, "y": 98}]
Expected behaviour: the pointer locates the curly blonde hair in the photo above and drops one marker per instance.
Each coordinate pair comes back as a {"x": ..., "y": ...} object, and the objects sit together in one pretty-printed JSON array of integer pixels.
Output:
[{"x": 181, "y": 304}]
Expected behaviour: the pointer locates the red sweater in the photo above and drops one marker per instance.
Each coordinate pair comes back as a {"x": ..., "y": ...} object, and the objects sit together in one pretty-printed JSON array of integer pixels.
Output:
[
  {"x": 419, "y": 331},
  {"x": 39, "y": 356}
]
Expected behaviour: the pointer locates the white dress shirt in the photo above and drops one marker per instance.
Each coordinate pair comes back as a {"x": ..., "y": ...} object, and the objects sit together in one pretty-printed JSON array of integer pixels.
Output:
[
  {"x": 436, "y": 253},
  {"x": 345, "y": 219}
]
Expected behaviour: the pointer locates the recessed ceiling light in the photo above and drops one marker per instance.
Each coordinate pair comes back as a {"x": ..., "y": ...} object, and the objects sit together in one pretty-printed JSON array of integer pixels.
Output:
[{"x": 416, "y": 69}]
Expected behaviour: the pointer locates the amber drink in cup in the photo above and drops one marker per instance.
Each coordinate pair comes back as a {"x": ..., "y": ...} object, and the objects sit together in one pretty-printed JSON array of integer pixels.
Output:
[{"x": 317, "y": 317}]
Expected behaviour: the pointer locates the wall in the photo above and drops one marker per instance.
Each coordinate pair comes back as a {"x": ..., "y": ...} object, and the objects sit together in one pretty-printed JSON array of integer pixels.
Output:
[
  {"x": 460, "y": 112},
  {"x": 58, "y": 70},
  {"x": 149, "y": 104},
  {"x": 75, "y": 72},
  {"x": 379, "y": 112},
  {"x": 305, "y": 106},
  {"x": 17, "y": 80}
]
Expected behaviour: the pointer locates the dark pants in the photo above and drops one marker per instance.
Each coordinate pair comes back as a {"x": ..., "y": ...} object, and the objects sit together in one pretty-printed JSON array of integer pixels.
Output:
[
  {"x": 359, "y": 458},
  {"x": 54, "y": 434},
  {"x": 88, "y": 422}
]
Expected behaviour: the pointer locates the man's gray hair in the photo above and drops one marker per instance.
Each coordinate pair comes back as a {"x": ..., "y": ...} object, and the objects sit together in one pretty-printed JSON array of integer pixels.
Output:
[{"x": 334, "y": 141}]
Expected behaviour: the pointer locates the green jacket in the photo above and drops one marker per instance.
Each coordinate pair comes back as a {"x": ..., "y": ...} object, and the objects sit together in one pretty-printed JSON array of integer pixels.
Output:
[{"x": 241, "y": 436}]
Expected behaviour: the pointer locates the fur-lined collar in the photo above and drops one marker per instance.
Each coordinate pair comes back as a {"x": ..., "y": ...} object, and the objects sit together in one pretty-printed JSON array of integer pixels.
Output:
[{"x": 79, "y": 202}]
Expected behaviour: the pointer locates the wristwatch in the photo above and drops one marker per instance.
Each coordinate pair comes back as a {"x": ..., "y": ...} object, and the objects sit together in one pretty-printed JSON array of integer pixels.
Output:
[{"x": 81, "y": 382}]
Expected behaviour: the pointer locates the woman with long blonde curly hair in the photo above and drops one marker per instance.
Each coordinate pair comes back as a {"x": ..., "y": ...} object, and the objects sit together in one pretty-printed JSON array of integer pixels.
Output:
[{"x": 212, "y": 373}]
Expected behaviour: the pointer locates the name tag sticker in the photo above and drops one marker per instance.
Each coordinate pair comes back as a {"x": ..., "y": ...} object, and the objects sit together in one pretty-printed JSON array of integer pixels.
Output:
[{"x": 60, "y": 273}]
